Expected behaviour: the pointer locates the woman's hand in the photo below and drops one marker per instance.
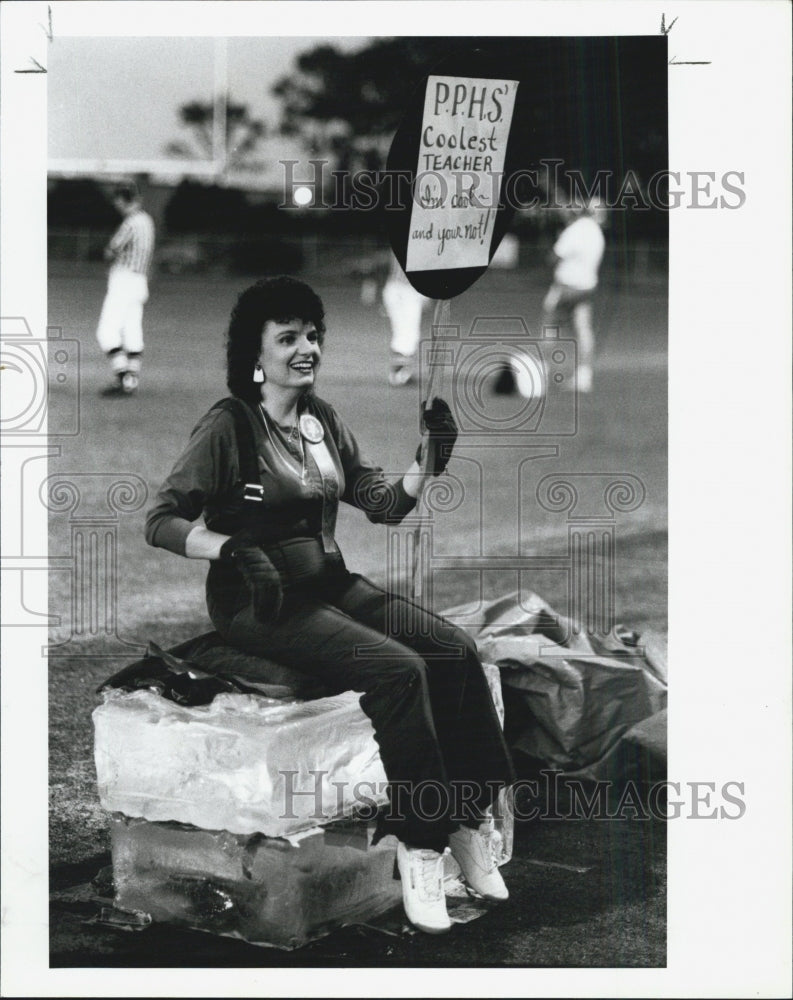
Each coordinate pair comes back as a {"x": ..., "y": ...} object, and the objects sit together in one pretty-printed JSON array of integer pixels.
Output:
[
  {"x": 261, "y": 577},
  {"x": 441, "y": 434}
]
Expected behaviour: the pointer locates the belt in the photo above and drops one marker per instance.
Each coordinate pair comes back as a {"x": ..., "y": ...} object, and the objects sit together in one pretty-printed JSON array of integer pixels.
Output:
[{"x": 298, "y": 560}]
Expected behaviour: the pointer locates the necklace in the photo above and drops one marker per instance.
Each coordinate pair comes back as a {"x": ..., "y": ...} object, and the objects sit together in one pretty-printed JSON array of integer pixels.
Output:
[{"x": 280, "y": 449}]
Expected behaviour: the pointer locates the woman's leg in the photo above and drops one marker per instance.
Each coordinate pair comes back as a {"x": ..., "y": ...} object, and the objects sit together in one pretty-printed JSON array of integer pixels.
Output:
[
  {"x": 471, "y": 740},
  {"x": 469, "y": 732},
  {"x": 320, "y": 639}
]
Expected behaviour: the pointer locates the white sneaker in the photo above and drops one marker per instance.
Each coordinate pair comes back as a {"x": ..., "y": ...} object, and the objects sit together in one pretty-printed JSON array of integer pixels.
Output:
[
  {"x": 475, "y": 851},
  {"x": 401, "y": 373},
  {"x": 421, "y": 871}
]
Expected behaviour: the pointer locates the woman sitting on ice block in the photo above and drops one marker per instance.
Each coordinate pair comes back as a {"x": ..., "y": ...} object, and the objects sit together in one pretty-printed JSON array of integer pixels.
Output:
[{"x": 266, "y": 469}]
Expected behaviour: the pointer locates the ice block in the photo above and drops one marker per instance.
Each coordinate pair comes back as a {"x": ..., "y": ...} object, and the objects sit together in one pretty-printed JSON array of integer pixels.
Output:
[
  {"x": 213, "y": 839},
  {"x": 244, "y": 763},
  {"x": 265, "y": 891}
]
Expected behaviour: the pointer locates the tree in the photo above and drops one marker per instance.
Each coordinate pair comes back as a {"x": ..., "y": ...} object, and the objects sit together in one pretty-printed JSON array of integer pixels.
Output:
[
  {"x": 80, "y": 203},
  {"x": 347, "y": 105},
  {"x": 243, "y": 134},
  {"x": 205, "y": 208}
]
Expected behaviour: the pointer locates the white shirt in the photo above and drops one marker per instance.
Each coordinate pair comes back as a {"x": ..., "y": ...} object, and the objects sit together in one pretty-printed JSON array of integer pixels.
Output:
[{"x": 580, "y": 249}]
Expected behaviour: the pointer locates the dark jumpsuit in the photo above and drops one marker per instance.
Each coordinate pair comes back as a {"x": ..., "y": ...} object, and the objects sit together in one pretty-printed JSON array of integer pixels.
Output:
[{"x": 422, "y": 682}]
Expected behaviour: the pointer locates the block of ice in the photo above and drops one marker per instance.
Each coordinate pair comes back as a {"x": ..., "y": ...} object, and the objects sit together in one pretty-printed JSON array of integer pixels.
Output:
[
  {"x": 243, "y": 763},
  {"x": 265, "y": 891}
]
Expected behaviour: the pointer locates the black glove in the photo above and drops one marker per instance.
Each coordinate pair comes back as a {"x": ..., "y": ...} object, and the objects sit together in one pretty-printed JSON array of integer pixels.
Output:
[
  {"x": 442, "y": 429},
  {"x": 262, "y": 578}
]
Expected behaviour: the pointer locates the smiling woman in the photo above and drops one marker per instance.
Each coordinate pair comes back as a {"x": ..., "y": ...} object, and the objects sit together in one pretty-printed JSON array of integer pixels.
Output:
[{"x": 266, "y": 468}]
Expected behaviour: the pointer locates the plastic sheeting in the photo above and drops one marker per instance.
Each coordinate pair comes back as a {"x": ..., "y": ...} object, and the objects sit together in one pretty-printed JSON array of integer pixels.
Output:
[
  {"x": 193, "y": 672},
  {"x": 581, "y": 693}
]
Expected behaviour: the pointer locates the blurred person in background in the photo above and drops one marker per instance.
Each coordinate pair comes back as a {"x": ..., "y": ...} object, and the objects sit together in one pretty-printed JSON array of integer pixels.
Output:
[
  {"x": 567, "y": 305},
  {"x": 267, "y": 468},
  {"x": 404, "y": 307},
  {"x": 577, "y": 255},
  {"x": 120, "y": 328}
]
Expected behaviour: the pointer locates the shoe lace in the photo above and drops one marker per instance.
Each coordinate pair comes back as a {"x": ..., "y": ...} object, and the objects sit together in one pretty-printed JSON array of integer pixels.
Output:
[
  {"x": 430, "y": 873},
  {"x": 496, "y": 847},
  {"x": 490, "y": 853}
]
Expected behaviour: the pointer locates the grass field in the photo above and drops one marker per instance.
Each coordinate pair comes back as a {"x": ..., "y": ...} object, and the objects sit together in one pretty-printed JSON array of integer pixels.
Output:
[{"x": 615, "y": 917}]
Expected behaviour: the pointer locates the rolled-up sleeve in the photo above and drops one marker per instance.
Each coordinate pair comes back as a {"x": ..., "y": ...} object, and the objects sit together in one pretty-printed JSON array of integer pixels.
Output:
[
  {"x": 203, "y": 471},
  {"x": 382, "y": 498}
]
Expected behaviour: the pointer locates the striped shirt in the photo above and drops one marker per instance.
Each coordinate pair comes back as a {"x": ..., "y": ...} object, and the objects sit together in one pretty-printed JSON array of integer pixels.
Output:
[{"x": 133, "y": 242}]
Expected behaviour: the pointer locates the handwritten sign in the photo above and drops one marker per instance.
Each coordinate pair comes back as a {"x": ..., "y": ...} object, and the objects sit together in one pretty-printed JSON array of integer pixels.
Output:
[{"x": 462, "y": 147}]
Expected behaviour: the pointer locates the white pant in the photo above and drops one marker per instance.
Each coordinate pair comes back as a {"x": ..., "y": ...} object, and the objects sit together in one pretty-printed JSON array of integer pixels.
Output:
[
  {"x": 121, "y": 320},
  {"x": 562, "y": 304},
  {"x": 404, "y": 306}
]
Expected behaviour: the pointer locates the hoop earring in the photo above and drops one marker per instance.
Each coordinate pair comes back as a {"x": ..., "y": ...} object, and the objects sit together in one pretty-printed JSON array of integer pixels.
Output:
[{"x": 258, "y": 374}]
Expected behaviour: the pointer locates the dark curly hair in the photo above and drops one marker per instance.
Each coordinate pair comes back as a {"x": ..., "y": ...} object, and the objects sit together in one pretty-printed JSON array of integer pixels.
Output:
[{"x": 281, "y": 299}]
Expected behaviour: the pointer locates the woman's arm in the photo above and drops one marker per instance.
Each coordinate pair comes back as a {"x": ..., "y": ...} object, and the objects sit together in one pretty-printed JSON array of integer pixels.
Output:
[
  {"x": 205, "y": 469},
  {"x": 202, "y": 543},
  {"x": 387, "y": 500}
]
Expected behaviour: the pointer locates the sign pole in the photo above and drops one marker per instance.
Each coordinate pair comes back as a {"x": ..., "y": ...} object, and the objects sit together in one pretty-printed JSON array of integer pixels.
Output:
[
  {"x": 453, "y": 142},
  {"x": 441, "y": 318}
]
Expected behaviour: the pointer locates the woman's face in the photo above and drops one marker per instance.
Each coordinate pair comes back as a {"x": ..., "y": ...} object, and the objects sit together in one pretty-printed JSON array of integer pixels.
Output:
[{"x": 290, "y": 353}]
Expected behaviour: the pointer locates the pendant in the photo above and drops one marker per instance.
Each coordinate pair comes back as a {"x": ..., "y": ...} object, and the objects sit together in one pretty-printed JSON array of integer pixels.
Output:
[{"x": 311, "y": 429}]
